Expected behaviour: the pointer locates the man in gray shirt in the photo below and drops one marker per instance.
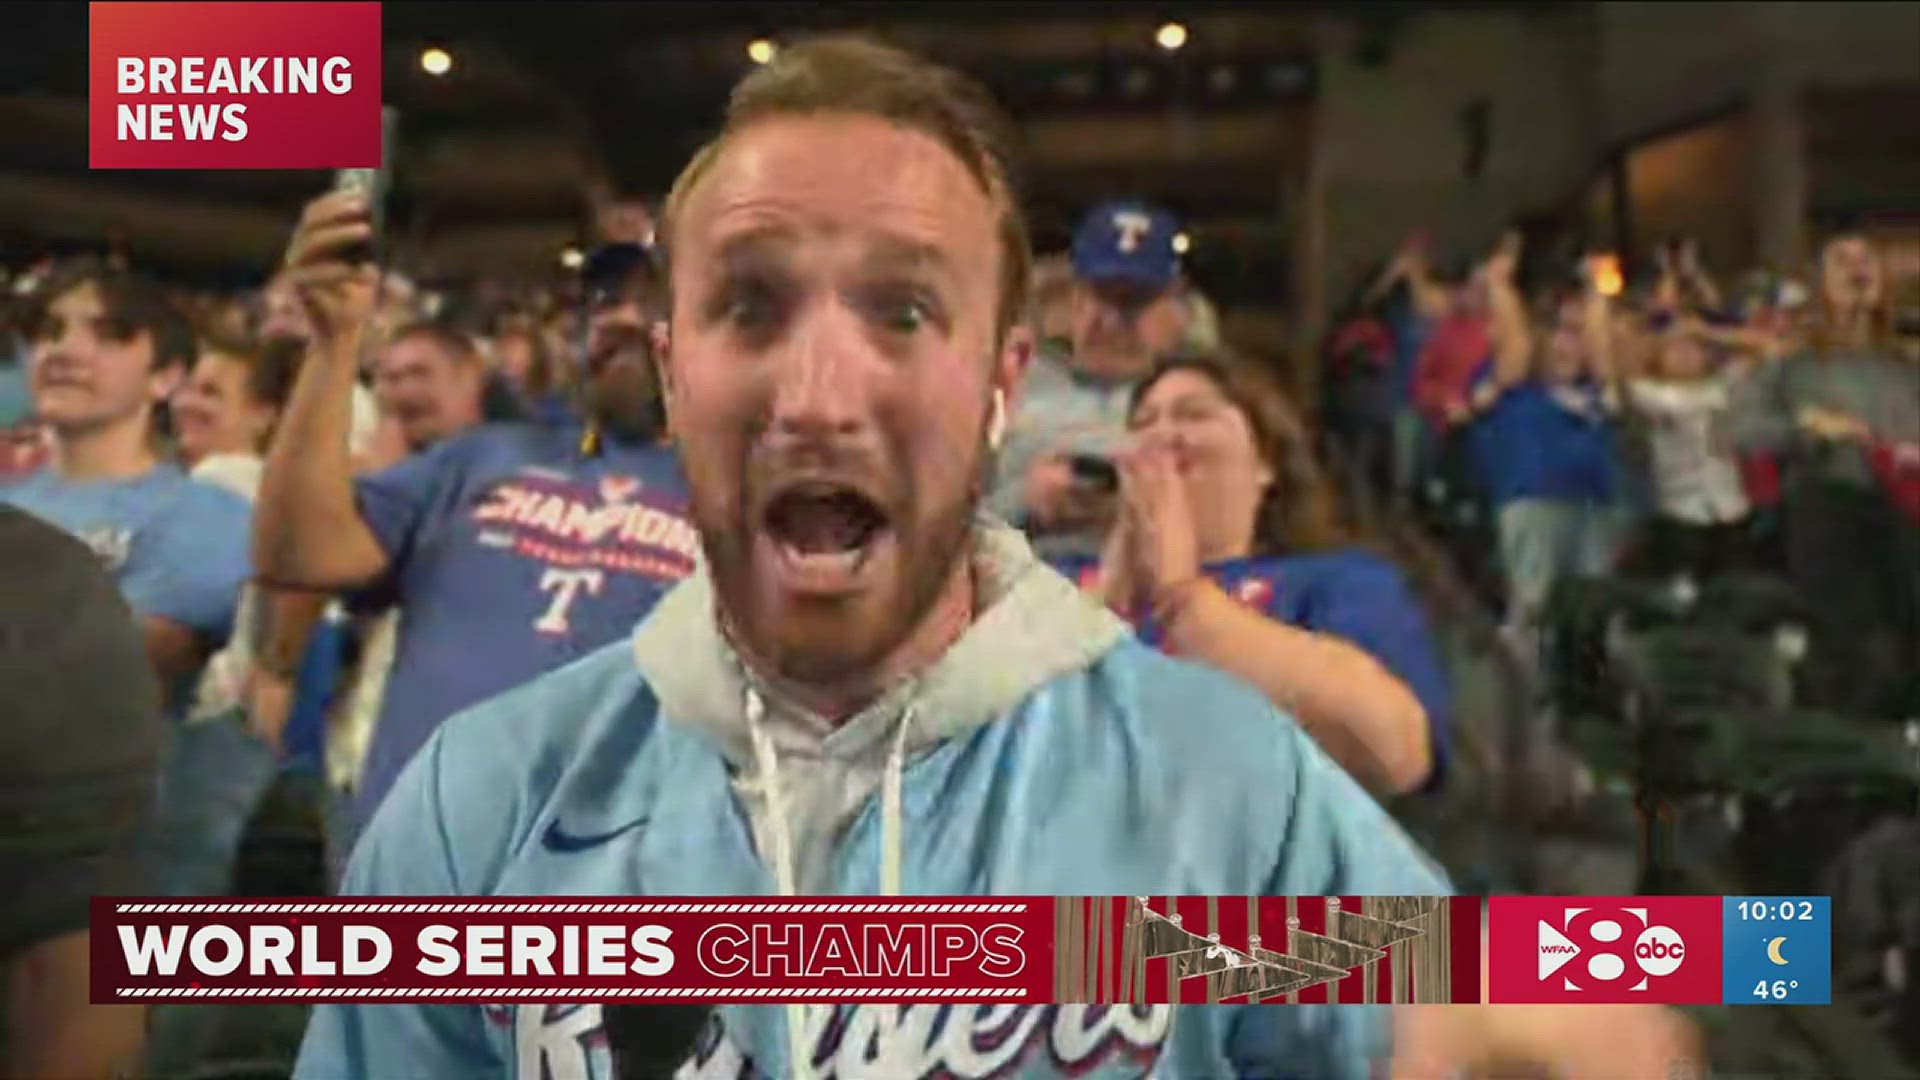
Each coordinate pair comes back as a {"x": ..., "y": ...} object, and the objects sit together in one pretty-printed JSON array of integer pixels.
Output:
[
  {"x": 1821, "y": 413},
  {"x": 1070, "y": 416}
]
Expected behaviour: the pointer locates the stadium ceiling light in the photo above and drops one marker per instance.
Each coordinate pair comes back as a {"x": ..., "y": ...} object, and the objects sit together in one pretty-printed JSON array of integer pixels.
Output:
[
  {"x": 761, "y": 51},
  {"x": 436, "y": 62},
  {"x": 572, "y": 259},
  {"x": 1182, "y": 243},
  {"x": 1171, "y": 36}
]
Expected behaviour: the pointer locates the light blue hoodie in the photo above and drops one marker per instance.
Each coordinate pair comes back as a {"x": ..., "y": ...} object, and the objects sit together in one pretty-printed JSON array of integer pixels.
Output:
[{"x": 1047, "y": 753}]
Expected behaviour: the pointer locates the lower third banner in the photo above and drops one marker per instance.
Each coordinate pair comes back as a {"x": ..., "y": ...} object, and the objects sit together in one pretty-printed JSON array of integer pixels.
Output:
[{"x": 1012, "y": 950}]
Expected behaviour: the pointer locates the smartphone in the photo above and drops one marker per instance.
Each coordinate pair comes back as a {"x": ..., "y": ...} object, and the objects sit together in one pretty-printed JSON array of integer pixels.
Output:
[
  {"x": 376, "y": 184},
  {"x": 1095, "y": 472}
]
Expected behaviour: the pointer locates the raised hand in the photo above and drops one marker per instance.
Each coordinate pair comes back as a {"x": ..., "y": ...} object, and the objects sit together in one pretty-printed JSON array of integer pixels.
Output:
[
  {"x": 337, "y": 295},
  {"x": 1156, "y": 512}
]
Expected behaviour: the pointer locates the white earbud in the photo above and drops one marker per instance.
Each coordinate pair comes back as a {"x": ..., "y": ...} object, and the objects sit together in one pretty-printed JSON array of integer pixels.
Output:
[{"x": 997, "y": 422}]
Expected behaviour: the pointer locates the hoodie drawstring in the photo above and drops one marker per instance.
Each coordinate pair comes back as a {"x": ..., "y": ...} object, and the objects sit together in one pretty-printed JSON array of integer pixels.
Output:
[
  {"x": 892, "y": 820},
  {"x": 766, "y": 761},
  {"x": 779, "y": 827}
]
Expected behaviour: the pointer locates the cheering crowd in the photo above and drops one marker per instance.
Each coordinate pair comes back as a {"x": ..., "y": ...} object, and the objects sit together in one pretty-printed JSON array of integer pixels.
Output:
[
  {"x": 849, "y": 552},
  {"x": 1673, "y": 430}
]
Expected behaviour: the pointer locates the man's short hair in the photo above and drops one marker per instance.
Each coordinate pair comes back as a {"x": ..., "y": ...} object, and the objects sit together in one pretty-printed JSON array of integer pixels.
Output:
[
  {"x": 133, "y": 303},
  {"x": 273, "y": 366},
  {"x": 857, "y": 76},
  {"x": 450, "y": 337}
]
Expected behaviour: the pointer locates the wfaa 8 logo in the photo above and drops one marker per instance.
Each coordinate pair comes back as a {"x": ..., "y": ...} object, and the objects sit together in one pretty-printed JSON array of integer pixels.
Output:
[{"x": 1655, "y": 949}]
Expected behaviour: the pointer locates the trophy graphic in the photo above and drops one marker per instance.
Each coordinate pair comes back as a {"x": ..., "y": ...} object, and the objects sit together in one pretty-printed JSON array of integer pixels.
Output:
[{"x": 1351, "y": 942}]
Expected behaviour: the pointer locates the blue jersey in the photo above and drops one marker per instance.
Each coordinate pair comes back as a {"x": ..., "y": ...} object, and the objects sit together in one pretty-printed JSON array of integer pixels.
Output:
[
  {"x": 1545, "y": 442},
  {"x": 1349, "y": 593},
  {"x": 511, "y": 552},
  {"x": 179, "y": 549},
  {"x": 1046, "y": 753}
]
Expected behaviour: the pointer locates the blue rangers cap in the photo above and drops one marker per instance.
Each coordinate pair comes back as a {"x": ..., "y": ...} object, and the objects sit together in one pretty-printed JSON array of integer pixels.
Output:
[{"x": 1127, "y": 243}]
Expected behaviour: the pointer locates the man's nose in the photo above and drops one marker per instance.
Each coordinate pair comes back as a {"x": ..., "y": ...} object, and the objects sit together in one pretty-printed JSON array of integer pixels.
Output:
[
  {"x": 1120, "y": 316},
  {"x": 62, "y": 351},
  {"x": 623, "y": 313},
  {"x": 820, "y": 375}
]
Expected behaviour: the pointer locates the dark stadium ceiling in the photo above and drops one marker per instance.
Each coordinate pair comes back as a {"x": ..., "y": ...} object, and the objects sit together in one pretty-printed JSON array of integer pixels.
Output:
[
  {"x": 550, "y": 99},
  {"x": 643, "y": 81}
]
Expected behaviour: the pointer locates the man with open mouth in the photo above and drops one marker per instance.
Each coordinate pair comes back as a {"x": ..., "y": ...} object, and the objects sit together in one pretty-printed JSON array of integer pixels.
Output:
[{"x": 867, "y": 689}]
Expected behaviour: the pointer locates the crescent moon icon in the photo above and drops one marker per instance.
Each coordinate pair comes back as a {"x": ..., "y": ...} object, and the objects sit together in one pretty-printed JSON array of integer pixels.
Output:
[{"x": 1773, "y": 951}]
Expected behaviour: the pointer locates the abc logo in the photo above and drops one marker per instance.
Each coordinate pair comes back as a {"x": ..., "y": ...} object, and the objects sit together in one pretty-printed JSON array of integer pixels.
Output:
[
  {"x": 1659, "y": 950},
  {"x": 1592, "y": 948}
]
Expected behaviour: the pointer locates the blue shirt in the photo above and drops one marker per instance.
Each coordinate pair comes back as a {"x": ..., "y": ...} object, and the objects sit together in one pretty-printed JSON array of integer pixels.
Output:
[
  {"x": 1181, "y": 782},
  {"x": 510, "y": 554},
  {"x": 178, "y": 548},
  {"x": 1349, "y": 593},
  {"x": 303, "y": 743},
  {"x": 1545, "y": 442},
  {"x": 555, "y": 407},
  {"x": 16, "y": 400},
  {"x": 1409, "y": 330}
]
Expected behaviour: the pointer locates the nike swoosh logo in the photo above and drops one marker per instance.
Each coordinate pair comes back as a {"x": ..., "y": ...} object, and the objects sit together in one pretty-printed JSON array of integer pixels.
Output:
[{"x": 559, "y": 840}]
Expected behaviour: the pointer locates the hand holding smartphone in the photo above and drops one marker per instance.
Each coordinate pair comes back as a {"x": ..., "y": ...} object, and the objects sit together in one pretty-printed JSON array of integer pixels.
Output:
[{"x": 374, "y": 185}]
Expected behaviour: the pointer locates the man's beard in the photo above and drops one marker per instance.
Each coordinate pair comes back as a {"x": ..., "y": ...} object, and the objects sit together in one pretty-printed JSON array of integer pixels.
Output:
[
  {"x": 624, "y": 400},
  {"x": 929, "y": 550},
  {"x": 625, "y": 416}
]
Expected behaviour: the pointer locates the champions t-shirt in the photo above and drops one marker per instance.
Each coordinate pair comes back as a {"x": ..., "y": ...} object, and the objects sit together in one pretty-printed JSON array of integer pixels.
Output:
[
  {"x": 1349, "y": 593},
  {"x": 511, "y": 553}
]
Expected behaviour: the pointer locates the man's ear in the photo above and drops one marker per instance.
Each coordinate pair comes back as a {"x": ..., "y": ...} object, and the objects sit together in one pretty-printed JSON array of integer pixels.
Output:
[
  {"x": 660, "y": 337},
  {"x": 165, "y": 381},
  {"x": 1010, "y": 367}
]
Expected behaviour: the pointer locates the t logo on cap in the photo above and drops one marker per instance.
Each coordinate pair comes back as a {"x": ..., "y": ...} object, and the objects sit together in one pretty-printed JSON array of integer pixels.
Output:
[
  {"x": 1132, "y": 227},
  {"x": 1127, "y": 244}
]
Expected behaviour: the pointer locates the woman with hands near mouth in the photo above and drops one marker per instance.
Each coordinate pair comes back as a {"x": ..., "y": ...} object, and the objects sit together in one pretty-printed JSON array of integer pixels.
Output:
[{"x": 1226, "y": 549}]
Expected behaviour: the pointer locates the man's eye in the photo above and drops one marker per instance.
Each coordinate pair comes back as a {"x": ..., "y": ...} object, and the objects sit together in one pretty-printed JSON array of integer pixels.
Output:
[
  {"x": 903, "y": 311},
  {"x": 110, "y": 328},
  {"x": 747, "y": 311},
  {"x": 905, "y": 317},
  {"x": 749, "y": 308}
]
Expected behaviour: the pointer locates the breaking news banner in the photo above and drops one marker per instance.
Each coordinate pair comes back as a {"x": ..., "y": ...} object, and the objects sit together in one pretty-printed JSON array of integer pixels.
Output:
[
  {"x": 233, "y": 85},
  {"x": 1669, "y": 950},
  {"x": 1011, "y": 950}
]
